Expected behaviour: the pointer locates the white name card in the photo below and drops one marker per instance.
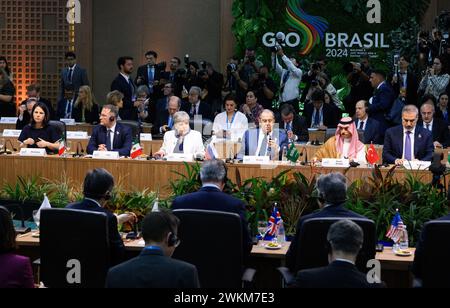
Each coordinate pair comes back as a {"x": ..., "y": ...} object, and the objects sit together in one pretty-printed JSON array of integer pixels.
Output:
[
  {"x": 146, "y": 137},
  {"x": 179, "y": 157},
  {"x": 338, "y": 163},
  {"x": 416, "y": 165},
  {"x": 105, "y": 155},
  {"x": 8, "y": 120},
  {"x": 11, "y": 133},
  {"x": 33, "y": 152},
  {"x": 77, "y": 135},
  {"x": 256, "y": 160},
  {"x": 68, "y": 121}
]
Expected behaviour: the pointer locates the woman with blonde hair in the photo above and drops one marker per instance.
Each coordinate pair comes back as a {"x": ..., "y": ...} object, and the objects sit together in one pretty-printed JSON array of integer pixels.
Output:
[{"x": 85, "y": 109}]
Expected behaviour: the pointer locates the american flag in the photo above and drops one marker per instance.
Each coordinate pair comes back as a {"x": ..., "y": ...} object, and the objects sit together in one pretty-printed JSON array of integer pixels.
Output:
[
  {"x": 272, "y": 226},
  {"x": 397, "y": 227}
]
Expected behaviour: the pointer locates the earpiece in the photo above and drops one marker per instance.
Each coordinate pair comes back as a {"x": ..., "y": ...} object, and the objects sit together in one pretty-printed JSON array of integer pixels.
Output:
[{"x": 112, "y": 118}]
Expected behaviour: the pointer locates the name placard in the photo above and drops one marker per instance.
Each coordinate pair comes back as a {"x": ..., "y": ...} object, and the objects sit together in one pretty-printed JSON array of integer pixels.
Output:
[
  {"x": 68, "y": 121},
  {"x": 11, "y": 133},
  {"x": 8, "y": 120},
  {"x": 105, "y": 155},
  {"x": 416, "y": 165},
  {"x": 33, "y": 152},
  {"x": 179, "y": 157},
  {"x": 146, "y": 137},
  {"x": 77, "y": 135},
  {"x": 256, "y": 160},
  {"x": 335, "y": 163}
]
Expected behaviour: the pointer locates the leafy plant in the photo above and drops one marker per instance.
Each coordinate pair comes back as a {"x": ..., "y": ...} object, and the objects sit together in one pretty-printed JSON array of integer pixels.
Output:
[
  {"x": 63, "y": 191},
  {"x": 25, "y": 189}
]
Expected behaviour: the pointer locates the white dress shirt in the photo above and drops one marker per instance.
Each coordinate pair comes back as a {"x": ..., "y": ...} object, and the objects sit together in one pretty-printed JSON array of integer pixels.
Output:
[
  {"x": 237, "y": 127},
  {"x": 430, "y": 128},
  {"x": 113, "y": 131},
  {"x": 192, "y": 144},
  {"x": 291, "y": 89},
  {"x": 364, "y": 125}
]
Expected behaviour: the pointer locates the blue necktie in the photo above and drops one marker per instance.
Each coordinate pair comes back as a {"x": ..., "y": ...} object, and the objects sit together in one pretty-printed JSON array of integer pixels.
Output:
[
  {"x": 70, "y": 75},
  {"x": 151, "y": 78},
  {"x": 170, "y": 124},
  {"x": 408, "y": 150},
  {"x": 289, "y": 127},
  {"x": 317, "y": 118}
]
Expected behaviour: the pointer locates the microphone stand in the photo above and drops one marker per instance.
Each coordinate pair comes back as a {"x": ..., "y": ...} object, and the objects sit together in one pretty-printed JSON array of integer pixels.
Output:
[{"x": 12, "y": 147}]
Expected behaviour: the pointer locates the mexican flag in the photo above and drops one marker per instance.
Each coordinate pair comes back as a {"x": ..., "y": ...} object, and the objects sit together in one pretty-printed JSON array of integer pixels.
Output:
[
  {"x": 292, "y": 154},
  {"x": 136, "y": 150},
  {"x": 62, "y": 147}
]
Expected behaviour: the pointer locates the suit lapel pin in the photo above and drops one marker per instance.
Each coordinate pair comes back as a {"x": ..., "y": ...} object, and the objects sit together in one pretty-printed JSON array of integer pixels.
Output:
[{"x": 420, "y": 136}]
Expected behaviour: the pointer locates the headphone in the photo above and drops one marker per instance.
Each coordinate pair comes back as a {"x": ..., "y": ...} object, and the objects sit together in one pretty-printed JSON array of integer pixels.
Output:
[
  {"x": 173, "y": 238},
  {"x": 112, "y": 118}
]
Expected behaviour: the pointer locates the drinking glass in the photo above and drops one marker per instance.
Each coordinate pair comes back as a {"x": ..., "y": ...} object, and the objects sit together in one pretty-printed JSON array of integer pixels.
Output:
[
  {"x": 36, "y": 217},
  {"x": 262, "y": 229},
  {"x": 68, "y": 146}
]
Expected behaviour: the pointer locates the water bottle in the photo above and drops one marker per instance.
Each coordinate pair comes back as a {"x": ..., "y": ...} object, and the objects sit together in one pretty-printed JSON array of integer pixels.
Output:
[
  {"x": 284, "y": 154},
  {"x": 281, "y": 236},
  {"x": 404, "y": 243}
]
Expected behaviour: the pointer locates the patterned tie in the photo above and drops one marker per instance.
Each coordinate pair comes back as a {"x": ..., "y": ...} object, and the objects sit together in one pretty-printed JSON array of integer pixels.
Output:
[
  {"x": 151, "y": 78},
  {"x": 361, "y": 125},
  {"x": 428, "y": 127},
  {"x": 170, "y": 124},
  {"x": 408, "y": 152},
  {"x": 70, "y": 75},
  {"x": 263, "y": 150},
  {"x": 108, "y": 140}
]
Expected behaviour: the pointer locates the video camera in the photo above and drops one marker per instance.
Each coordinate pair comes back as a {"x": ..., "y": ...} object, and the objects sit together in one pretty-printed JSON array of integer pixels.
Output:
[
  {"x": 280, "y": 37},
  {"x": 443, "y": 24}
]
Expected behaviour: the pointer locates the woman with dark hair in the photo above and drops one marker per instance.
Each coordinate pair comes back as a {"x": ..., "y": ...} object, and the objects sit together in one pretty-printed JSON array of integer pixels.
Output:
[
  {"x": 39, "y": 134},
  {"x": 442, "y": 108},
  {"x": 7, "y": 92},
  {"x": 4, "y": 65},
  {"x": 436, "y": 79},
  {"x": 15, "y": 271}
]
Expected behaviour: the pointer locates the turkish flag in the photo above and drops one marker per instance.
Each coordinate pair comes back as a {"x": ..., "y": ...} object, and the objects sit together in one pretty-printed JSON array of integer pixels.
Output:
[{"x": 372, "y": 155}]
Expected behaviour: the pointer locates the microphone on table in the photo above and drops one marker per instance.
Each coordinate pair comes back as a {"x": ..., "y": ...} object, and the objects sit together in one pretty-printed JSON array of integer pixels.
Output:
[
  {"x": 12, "y": 147},
  {"x": 304, "y": 152},
  {"x": 80, "y": 149}
]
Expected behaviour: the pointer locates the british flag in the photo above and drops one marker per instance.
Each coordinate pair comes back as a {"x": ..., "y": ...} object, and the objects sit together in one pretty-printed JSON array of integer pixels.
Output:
[
  {"x": 273, "y": 225},
  {"x": 397, "y": 227}
]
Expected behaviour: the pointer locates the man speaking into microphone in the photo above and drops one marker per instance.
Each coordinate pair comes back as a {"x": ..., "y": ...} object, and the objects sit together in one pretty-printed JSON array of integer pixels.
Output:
[
  {"x": 265, "y": 140},
  {"x": 181, "y": 139},
  {"x": 110, "y": 135}
]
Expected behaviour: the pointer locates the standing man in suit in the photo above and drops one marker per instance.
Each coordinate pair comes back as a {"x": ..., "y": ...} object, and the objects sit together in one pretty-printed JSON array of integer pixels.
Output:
[
  {"x": 154, "y": 267},
  {"x": 97, "y": 188},
  {"x": 165, "y": 121},
  {"x": 345, "y": 239},
  {"x": 415, "y": 143},
  {"x": 382, "y": 99},
  {"x": 436, "y": 126},
  {"x": 365, "y": 123},
  {"x": 294, "y": 125},
  {"x": 404, "y": 83},
  {"x": 73, "y": 75},
  {"x": 125, "y": 85},
  {"x": 110, "y": 135},
  {"x": 265, "y": 140},
  {"x": 150, "y": 75},
  {"x": 332, "y": 195},
  {"x": 196, "y": 107},
  {"x": 211, "y": 197},
  {"x": 320, "y": 115}
]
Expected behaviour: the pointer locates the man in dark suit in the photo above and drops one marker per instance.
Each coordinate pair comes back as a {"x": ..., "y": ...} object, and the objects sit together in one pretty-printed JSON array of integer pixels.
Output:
[
  {"x": 65, "y": 106},
  {"x": 164, "y": 121},
  {"x": 34, "y": 91},
  {"x": 110, "y": 135},
  {"x": 25, "y": 110},
  {"x": 150, "y": 75},
  {"x": 382, "y": 99},
  {"x": 345, "y": 239},
  {"x": 320, "y": 115},
  {"x": 294, "y": 125},
  {"x": 213, "y": 175},
  {"x": 404, "y": 83},
  {"x": 408, "y": 141},
  {"x": 365, "y": 123},
  {"x": 196, "y": 107},
  {"x": 97, "y": 188},
  {"x": 265, "y": 140},
  {"x": 436, "y": 126},
  {"x": 73, "y": 75},
  {"x": 125, "y": 85},
  {"x": 332, "y": 195},
  {"x": 154, "y": 267},
  {"x": 163, "y": 103}
]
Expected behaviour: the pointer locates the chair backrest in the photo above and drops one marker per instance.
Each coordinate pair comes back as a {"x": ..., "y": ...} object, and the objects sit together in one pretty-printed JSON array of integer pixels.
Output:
[
  {"x": 205, "y": 126},
  {"x": 436, "y": 253},
  {"x": 212, "y": 241},
  {"x": 135, "y": 128},
  {"x": 73, "y": 240},
  {"x": 312, "y": 250},
  {"x": 60, "y": 126}
]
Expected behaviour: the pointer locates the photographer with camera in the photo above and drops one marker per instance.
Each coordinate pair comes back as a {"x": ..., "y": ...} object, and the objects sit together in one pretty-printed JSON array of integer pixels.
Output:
[
  {"x": 404, "y": 82},
  {"x": 150, "y": 75},
  {"x": 436, "y": 79},
  {"x": 310, "y": 80},
  {"x": 212, "y": 87},
  {"x": 290, "y": 79},
  {"x": 231, "y": 85},
  {"x": 360, "y": 87},
  {"x": 175, "y": 76},
  {"x": 264, "y": 87},
  {"x": 192, "y": 79}
]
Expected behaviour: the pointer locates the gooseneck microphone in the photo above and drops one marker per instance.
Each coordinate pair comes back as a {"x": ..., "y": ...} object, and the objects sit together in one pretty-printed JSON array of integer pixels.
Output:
[{"x": 304, "y": 152}]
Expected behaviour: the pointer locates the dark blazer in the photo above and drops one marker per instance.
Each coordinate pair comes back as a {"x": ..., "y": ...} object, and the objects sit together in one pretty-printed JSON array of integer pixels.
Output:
[
  {"x": 91, "y": 117},
  {"x": 331, "y": 115},
  {"x": 412, "y": 87},
  {"x": 439, "y": 131},
  {"x": 61, "y": 109},
  {"x": 122, "y": 139},
  {"x": 372, "y": 132},
  {"x": 382, "y": 104},
  {"x": 393, "y": 144},
  {"x": 161, "y": 119},
  {"x": 128, "y": 112},
  {"x": 143, "y": 73},
  {"x": 204, "y": 110},
  {"x": 25, "y": 119},
  {"x": 251, "y": 138},
  {"x": 15, "y": 272},
  {"x": 212, "y": 199},
  {"x": 299, "y": 127},
  {"x": 337, "y": 210},
  {"x": 336, "y": 275},
  {"x": 151, "y": 269},
  {"x": 79, "y": 79},
  {"x": 115, "y": 241}
]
